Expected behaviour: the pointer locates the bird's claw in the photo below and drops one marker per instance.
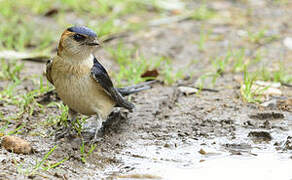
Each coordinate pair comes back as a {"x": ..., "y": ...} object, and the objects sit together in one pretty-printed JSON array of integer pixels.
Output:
[
  {"x": 95, "y": 140},
  {"x": 92, "y": 139}
]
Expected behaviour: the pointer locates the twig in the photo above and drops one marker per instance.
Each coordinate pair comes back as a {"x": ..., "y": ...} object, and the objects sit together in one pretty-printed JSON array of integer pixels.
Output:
[
  {"x": 41, "y": 59},
  {"x": 205, "y": 89},
  {"x": 169, "y": 20},
  {"x": 115, "y": 36},
  {"x": 286, "y": 84}
]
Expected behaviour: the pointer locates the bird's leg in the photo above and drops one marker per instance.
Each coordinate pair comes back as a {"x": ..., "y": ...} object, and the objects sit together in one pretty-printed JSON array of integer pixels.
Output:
[
  {"x": 68, "y": 129},
  {"x": 72, "y": 118},
  {"x": 98, "y": 130}
]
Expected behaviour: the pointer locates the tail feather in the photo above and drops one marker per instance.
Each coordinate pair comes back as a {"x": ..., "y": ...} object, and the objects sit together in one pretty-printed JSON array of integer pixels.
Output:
[{"x": 125, "y": 91}]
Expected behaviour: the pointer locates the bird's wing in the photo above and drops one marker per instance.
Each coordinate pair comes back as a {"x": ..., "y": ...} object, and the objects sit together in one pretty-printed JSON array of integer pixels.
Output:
[
  {"x": 100, "y": 75},
  {"x": 48, "y": 71}
]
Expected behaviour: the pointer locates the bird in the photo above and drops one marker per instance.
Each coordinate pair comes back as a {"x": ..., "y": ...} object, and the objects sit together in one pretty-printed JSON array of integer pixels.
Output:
[{"x": 80, "y": 80}]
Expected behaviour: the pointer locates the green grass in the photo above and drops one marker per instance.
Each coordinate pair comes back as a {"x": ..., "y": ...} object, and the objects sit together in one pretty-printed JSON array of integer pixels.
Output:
[
  {"x": 104, "y": 7},
  {"x": 41, "y": 163},
  {"x": 63, "y": 117},
  {"x": 131, "y": 73},
  {"x": 278, "y": 75},
  {"x": 281, "y": 2},
  {"x": 246, "y": 91},
  {"x": 203, "y": 38},
  {"x": 85, "y": 155},
  {"x": 21, "y": 31},
  {"x": 10, "y": 70},
  {"x": 4, "y": 130},
  {"x": 44, "y": 164},
  {"x": 235, "y": 61},
  {"x": 7, "y": 95},
  {"x": 260, "y": 37},
  {"x": 28, "y": 103},
  {"x": 91, "y": 8},
  {"x": 121, "y": 54},
  {"x": 78, "y": 125},
  {"x": 239, "y": 60},
  {"x": 13, "y": 95},
  {"x": 220, "y": 64},
  {"x": 208, "y": 79},
  {"x": 256, "y": 37},
  {"x": 202, "y": 13},
  {"x": 249, "y": 93},
  {"x": 132, "y": 65},
  {"x": 25, "y": 102},
  {"x": 169, "y": 75}
]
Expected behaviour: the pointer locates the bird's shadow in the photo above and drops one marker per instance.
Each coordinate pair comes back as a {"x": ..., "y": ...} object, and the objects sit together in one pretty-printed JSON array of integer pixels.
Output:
[
  {"x": 109, "y": 129},
  {"x": 114, "y": 122}
]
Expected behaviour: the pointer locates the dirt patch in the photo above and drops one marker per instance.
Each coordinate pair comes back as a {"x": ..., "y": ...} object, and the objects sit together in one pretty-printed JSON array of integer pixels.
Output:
[
  {"x": 268, "y": 115},
  {"x": 260, "y": 136}
]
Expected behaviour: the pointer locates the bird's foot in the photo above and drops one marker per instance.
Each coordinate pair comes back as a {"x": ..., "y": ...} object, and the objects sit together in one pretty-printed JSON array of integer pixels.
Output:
[
  {"x": 95, "y": 140},
  {"x": 97, "y": 136},
  {"x": 93, "y": 137},
  {"x": 92, "y": 133}
]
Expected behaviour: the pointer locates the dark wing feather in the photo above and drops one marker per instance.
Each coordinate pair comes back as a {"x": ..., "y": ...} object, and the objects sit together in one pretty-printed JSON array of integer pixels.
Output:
[
  {"x": 99, "y": 74},
  {"x": 48, "y": 71}
]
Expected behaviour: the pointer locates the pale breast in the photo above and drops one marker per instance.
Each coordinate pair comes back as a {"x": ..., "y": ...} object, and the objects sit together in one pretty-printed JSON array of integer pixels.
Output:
[{"x": 80, "y": 92}]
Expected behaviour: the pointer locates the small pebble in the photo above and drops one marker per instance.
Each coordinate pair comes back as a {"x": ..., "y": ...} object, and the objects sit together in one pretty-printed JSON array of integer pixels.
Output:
[
  {"x": 288, "y": 42},
  {"x": 187, "y": 90},
  {"x": 202, "y": 151}
]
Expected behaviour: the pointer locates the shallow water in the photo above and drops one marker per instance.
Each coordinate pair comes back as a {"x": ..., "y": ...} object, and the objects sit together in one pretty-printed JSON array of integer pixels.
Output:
[{"x": 264, "y": 166}]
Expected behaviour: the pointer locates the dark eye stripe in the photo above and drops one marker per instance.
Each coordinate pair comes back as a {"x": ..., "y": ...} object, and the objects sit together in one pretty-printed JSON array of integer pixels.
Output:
[{"x": 78, "y": 37}]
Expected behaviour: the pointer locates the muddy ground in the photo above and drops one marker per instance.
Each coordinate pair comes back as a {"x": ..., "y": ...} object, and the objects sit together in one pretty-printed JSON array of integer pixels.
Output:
[{"x": 170, "y": 135}]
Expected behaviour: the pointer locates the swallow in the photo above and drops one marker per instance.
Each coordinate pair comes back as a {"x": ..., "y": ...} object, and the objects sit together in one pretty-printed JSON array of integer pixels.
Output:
[{"x": 80, "y": 80}]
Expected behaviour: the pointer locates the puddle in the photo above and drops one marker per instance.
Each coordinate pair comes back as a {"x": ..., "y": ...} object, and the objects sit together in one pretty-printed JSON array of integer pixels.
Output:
[{"x": 264, "y": 166}]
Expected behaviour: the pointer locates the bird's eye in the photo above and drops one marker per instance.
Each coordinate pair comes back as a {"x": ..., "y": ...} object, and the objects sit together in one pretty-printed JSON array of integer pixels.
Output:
[{"x": 78, "y": 37}]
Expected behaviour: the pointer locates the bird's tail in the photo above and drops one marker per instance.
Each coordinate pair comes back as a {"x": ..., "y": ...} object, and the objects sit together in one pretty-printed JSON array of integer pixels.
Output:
[{"x": 125, "y": 91}]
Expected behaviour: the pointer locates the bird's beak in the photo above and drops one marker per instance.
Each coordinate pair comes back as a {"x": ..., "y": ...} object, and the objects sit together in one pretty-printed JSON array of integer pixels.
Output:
[{"x": 95, "y": 42}]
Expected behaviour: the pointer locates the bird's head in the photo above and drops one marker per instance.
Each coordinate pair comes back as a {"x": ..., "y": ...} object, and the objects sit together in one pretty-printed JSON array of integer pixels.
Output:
[{"x": 77, "y": 41}]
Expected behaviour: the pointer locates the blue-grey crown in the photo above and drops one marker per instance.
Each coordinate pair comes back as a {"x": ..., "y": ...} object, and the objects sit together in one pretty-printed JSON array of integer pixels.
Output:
[{"x": 82, "y": 30}]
